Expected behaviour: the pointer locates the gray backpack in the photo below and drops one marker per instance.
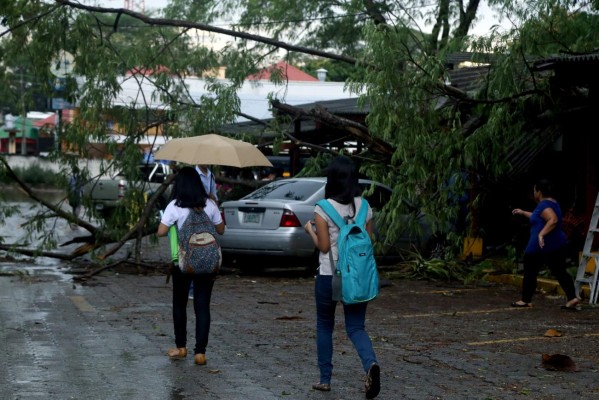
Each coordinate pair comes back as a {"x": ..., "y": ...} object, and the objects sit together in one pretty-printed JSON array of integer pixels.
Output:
[{"x": 199, "y": 252}]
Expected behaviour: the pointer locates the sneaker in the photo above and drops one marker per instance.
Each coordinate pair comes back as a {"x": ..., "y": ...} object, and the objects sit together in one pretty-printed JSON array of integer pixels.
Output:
[
  {"x": 373, "y": 381},
  {"x": 323, "y": 387}
]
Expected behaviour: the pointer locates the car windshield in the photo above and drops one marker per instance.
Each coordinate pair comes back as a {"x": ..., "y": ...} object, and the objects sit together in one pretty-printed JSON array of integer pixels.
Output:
[{"x": 286, "y": 190}]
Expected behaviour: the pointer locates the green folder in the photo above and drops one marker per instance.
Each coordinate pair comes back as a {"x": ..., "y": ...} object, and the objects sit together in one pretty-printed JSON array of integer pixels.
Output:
[{"x": 174, "y": 239}]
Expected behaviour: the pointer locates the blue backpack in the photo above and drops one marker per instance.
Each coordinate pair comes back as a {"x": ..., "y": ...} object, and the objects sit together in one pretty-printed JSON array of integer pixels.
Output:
[
  {"x": 199, "y": 252},
  {"x": 356, "y": 263}
]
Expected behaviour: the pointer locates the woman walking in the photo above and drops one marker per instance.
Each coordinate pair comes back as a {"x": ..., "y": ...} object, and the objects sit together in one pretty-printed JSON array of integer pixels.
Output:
[
  {"x": 546, "y": 246},
  {"x": 189, "y": 194},
  {"x": 343, "y": 192}
]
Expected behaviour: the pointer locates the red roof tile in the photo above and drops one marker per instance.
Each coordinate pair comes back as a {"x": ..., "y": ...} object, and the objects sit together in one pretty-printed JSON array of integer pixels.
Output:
[
  {"x": 148, "y": 71},
  {"x": 288, "y": 72}
]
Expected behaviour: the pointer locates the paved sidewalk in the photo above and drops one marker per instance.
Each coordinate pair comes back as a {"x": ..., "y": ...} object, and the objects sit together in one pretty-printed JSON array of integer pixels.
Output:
[{"x": 108, "y": 339}]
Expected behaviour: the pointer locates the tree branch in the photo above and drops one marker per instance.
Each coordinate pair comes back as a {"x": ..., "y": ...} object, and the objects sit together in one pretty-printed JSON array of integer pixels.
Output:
[
  {"x": 60, "y": 213},
  {"x": 35, "y": 253},
  {"x": 209, "y": 28},
  {"x": 137, "y": 229},
  {"x": 116, "y": 264},
  {"x": 357, "y": 130},
  {"x": 374, "y": 12},
  {"x": 27, "y": 21}
]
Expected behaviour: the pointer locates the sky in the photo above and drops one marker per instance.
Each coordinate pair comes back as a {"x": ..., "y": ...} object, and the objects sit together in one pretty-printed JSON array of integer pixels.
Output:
[{"x": 482, "y": 27}]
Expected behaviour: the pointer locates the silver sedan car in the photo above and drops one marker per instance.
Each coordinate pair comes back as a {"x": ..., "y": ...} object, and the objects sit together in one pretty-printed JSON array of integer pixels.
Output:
[{"x": 270, "y": 220}]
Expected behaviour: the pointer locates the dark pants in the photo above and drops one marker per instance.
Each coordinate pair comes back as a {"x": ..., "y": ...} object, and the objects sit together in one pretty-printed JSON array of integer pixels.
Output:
[
  {"x": 556, "y": 261},
  {"x": 202, "y": 292}
]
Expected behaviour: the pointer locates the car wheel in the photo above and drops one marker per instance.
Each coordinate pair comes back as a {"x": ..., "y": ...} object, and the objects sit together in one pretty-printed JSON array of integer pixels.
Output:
[
  {"x": 250, "y": 264},
  {"x": 228, "y": 261}
]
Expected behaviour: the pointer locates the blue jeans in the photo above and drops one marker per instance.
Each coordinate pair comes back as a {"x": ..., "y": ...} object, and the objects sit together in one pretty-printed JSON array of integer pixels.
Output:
[
  {"x": 355, "y": 315},
  {"x": 202, "y": 293}
]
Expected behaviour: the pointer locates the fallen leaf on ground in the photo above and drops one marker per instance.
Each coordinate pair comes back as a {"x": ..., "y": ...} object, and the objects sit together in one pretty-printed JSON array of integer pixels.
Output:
[
  {"x": 558, "y": 362},
  {"x": 553, "y": 333}
]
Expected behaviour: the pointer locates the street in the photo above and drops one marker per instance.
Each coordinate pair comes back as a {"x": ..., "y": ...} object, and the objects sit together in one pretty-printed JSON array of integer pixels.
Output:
[{"x": 107, "y": 339}]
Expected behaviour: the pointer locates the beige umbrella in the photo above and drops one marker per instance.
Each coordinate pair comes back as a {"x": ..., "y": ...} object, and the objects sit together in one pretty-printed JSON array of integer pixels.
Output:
[{"x": 212, "y": 150}]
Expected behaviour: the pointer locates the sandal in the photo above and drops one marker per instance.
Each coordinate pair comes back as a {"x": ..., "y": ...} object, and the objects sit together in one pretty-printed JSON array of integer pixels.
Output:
[
  {"x": 177, "y": 352},
  {"x": 323, "y": 387},
  {"x": 200, "y": 359},
  {"x": 572, "y": 305},
  {"x": 520, "y": 304}
]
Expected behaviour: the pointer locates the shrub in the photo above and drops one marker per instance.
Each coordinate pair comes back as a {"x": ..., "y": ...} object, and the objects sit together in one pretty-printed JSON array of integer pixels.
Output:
[{"x": 35, "y": 175}]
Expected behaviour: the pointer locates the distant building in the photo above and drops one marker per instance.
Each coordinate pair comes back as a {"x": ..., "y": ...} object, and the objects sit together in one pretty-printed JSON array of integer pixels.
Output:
[{"x": 297, "y": 87}]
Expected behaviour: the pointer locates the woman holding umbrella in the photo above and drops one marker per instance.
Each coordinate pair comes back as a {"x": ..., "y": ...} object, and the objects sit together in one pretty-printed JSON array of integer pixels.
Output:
[{"x": 189, "y": 193}]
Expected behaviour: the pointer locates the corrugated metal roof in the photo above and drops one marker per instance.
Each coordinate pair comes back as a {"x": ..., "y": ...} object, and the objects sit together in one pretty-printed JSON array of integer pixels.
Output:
[
  {"x": 468, "y": 78},
  {"x": 551, "y": 62},
  {"x": 454, "y": 59},
  {"x": 338, "y": 107}
]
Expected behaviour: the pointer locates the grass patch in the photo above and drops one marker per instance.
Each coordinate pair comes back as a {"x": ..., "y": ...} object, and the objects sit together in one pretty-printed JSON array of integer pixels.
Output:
[{"x": 35, "y": 175}]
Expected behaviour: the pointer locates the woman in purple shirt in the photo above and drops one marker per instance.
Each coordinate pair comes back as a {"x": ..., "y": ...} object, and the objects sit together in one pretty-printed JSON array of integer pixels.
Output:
[{"x": 546, "y": 246}]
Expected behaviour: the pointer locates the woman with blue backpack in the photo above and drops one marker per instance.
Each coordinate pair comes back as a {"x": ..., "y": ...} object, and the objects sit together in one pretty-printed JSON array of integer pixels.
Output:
[
  {"x": 342, "y": 191},
  {"x": 191, "y": 204}
]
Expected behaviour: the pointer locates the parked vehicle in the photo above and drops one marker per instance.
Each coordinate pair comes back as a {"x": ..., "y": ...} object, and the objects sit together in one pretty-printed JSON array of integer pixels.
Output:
[
  {"x": 281, "y": 167},
  {"x": 270, "y": 220},
  {"x": 105, "y": 194}
]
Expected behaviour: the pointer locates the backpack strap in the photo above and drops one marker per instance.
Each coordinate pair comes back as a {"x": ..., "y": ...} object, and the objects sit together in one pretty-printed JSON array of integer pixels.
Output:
[
  {"x": 362, "y": 214},
  {"x": 337, "y": 219},
  {"x": 331, "y": 212}
]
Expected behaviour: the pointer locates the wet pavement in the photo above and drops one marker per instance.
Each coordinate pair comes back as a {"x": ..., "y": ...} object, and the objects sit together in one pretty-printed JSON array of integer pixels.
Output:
[{"x": 107, "y": 339}]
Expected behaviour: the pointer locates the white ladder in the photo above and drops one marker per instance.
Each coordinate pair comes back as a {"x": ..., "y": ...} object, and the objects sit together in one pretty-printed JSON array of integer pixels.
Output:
[{"x": 590, "y": 251}]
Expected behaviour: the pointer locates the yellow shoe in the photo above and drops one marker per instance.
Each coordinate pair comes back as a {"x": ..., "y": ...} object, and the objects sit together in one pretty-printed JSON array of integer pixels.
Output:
[
  {"x": 177, "y": 352},
  {"x": 200, "y": 359}
]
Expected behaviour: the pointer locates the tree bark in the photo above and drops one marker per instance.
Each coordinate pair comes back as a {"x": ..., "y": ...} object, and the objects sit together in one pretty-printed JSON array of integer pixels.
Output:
[{"x": 466, "y": 18}]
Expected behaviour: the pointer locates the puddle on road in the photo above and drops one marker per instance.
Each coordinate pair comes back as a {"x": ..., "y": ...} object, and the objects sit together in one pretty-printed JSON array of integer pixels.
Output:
[
  {"x": 13, "y": 230},
  {"x": 33, "y": 271}
]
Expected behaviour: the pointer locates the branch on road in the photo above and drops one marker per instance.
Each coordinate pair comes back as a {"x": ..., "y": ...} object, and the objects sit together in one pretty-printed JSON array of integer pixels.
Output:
[
  {"x": 35, "y": 253},
  {"x": 98, "y": 238},
  {"x": 116, "y": 264},
  {"x": 149, "y": 209},
  {"x": 57, "y": 210}
]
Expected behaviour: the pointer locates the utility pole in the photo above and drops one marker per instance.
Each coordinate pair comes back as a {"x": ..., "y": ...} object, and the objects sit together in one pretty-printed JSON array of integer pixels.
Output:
[
  {"x": 61, "y": 67},
  {"x": 23, "y": 118}
]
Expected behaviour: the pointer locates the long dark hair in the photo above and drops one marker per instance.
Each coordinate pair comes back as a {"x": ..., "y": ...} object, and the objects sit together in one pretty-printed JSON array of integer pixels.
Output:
[
  {"x": 188, "y": 191},
  {"x": 342, "y": 181},
  {"x": 546, "y": 187}
]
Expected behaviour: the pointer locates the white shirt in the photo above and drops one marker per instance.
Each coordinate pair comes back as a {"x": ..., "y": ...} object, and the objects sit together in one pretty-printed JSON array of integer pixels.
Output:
[
  {"x": 177, "y": 215},
  {"x": 344, "y": 210}
]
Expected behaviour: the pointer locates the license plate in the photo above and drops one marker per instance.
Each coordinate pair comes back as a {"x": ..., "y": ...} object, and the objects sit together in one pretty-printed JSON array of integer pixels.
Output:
[
  {"x": 99, "y": 206},
  {"x": 251, "y": 218}
]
